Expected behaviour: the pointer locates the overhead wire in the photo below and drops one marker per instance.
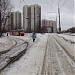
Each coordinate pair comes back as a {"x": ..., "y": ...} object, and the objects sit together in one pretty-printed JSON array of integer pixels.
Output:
[
  {"x": 21, "y": 1},
  {"x": 19, "y": 4},
  {"x": 59, "y": 2},
  {"x": 51, "y": 5},
  {"x": 63, "y": 4}
]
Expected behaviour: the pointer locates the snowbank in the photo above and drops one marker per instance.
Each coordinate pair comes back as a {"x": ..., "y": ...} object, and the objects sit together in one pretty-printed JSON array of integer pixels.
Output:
[
  {"x": 6, "y": 43},
  {"x": 67, "y": 37},
  {"x": 31, "y": 63},
  {"x": 68, "y": 47}
]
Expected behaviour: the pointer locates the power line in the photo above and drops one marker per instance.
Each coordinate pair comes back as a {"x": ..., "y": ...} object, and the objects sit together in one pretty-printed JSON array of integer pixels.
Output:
[
  {"x": 24, "y": 1},
  {"x": 63, "y": 4},
  {"x": 21, "y": 1},
  {"x": 59, "y": 2},
  {"x": 52, "y": 5}
]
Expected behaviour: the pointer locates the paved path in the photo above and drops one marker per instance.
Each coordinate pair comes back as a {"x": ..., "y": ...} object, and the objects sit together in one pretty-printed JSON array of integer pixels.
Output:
[{"x": 57, "y": 61}]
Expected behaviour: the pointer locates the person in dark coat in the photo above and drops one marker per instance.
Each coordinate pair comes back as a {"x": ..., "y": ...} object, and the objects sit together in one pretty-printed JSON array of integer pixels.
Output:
[
  {"x": 7, "y": 34},
  {"x": 33, "y": 36}
]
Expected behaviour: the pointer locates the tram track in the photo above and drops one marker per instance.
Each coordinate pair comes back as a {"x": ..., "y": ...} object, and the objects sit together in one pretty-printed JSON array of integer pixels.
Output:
[
  {"x": 14, "y": 46},
  {"x": 13, "y": 57},
  {"x": 72, "y": 57},
  {"x": 5, "y": 51},
  {"x": 57, "y": 61}
]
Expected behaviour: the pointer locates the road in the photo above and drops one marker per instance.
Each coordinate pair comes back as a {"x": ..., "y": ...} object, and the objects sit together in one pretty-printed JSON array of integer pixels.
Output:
[{"x": 57, "y": 61}]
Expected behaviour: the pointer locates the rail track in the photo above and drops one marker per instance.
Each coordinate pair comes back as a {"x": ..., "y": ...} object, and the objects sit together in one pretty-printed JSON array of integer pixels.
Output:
[
  {"x": 64, "y": 48},
  {"x": 14, "y": 46},
  {"x": 12, "y": 54},
  {"x": 12, "y": 57},
  {"x": 5, "y": 51},
  {"x": 57, "y": 61}
]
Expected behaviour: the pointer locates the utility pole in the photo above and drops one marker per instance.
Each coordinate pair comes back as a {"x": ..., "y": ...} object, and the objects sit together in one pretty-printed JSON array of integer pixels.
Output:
[
  {"x": 59, "y": 19},
  {"x": 0, "y": 19},
  {"x": 56, "y": 23}
]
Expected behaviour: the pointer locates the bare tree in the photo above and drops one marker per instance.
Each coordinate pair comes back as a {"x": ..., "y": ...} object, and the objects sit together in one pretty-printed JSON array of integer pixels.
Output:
[{"x": 5, "y": 7}]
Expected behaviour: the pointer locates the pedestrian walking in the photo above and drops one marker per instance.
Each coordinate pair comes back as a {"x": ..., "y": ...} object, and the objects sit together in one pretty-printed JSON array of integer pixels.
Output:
[
  {"x": 7, "y": 34},
  {"x": 33, "y": 36}
]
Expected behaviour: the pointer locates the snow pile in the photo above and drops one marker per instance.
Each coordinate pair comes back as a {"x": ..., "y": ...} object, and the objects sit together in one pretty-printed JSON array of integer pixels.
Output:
[
  {"x": 68, "y": 47},
  {"x": 67, "y": 37},
  {"x": 6, "y": 43},
  {"x": 31, "y": 63}
]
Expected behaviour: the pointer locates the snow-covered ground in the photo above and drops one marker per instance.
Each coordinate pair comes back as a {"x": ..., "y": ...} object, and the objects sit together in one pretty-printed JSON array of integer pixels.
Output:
[
  {"x": 57, "y": 61},
  {"x": 31, "y": 63},
  {"x": 14, "y": 51},
  {"x": 69, "y": 47},
  {"x": 68, "y": 37},
  {"x": 6, "y": 43}
]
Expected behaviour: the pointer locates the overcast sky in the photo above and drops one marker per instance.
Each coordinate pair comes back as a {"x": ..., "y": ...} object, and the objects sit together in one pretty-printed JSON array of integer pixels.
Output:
[{"x": 67, "y": 11}]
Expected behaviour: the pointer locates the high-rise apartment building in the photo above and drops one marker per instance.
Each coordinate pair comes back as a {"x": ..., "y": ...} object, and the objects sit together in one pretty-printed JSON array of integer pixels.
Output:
[
  {"x": 27, "y": 18},
  {"x": 10, "y": 21},
  {"x": 32, "y": 18},
  {"x": 37, "y": 18},
  {"x": 18, "y": 20},
  {"x": 14, "y": 20}
]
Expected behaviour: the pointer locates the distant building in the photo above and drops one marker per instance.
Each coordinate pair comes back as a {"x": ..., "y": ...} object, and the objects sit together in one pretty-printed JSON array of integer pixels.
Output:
[
  {"x": 50, "y": 25},
  {"x": 32, "y": 18},
  {"x": 10, "y": 22},
  {"x": 27, "y": 18},
  {"x": 14, "y": 20},
  {"x": 37, "y": 17},
  {"x": 18, "y": 18},
  {"x": 54, "y": 26}
]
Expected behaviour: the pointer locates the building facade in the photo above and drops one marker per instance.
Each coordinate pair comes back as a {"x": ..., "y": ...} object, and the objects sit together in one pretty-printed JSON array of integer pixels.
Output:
[
  {"x": 18, "y": 20},
  {"x": 32, "y": 18},
  {"x": 14, "y": 21},
  {"x": 50, "y": 25},
  {"x": 27, "y": 18}
]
